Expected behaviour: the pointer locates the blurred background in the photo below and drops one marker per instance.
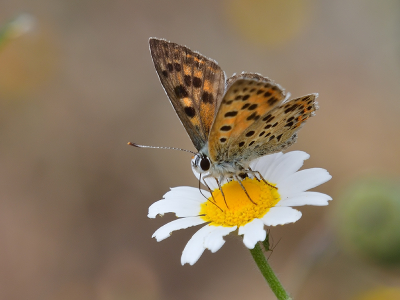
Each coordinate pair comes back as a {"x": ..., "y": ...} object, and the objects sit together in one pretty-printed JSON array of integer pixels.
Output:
[{"x": 77, "y": 83}]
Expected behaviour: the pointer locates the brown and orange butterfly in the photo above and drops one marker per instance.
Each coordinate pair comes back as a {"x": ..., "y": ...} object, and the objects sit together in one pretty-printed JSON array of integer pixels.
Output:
[{"x": 229, "y": 122}]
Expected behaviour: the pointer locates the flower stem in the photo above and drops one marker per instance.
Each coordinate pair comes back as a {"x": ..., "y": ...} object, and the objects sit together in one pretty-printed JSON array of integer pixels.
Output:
[{"x": 269, "y": 274}]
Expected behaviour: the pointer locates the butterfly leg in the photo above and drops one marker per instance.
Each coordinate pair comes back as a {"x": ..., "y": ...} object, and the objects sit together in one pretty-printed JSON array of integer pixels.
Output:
[
  {"x": 262, "y": 178},
  {"x": 209, "y": 189},
  {"x": 205, "y": 183},
  {"x": 201, "y": 191},
  {"x": 220, "y": 188},
  {"x": 244, "y": 189}
]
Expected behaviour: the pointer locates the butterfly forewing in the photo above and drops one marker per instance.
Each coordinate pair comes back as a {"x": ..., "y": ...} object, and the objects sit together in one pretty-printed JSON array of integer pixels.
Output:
[
  {"x": 275, "y": 130},
  {"x": 193, "y": 83},
  {"x": 249, "y": 96}
]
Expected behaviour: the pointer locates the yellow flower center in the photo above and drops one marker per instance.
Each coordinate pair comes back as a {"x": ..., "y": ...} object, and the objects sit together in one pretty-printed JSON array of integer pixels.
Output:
[{"x": 238, "y": 209}]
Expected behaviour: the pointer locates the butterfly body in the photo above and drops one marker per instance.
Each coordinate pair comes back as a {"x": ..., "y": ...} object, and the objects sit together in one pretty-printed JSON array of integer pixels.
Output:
[{"x": 229, "y": 122}]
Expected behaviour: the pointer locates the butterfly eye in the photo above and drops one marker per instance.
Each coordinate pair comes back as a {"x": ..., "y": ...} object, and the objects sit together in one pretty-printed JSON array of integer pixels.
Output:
[{"x": 205, "y": 163}]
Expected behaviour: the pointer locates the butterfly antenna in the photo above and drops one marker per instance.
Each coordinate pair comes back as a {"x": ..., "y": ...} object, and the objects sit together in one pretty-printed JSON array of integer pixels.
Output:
[{"x": 153, "y": 147}]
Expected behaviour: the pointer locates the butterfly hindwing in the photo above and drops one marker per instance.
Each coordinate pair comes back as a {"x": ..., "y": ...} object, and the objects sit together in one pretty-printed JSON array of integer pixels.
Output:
[
  {"x": 275, "y": 130},
  {"x": 194, "y": 84},
  {"x": 248, "y": 97}
]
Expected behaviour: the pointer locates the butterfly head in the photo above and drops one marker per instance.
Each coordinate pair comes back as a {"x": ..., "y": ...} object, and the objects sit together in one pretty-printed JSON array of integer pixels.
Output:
[{"x": 201, "y": 163}]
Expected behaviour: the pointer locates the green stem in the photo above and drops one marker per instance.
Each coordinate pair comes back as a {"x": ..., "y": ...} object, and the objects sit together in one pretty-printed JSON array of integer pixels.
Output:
[{"x": 269, "y": 274}]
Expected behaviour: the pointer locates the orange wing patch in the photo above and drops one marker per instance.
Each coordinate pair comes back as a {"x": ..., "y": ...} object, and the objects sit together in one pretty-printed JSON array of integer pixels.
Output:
[{"x": 246, "y": 100}]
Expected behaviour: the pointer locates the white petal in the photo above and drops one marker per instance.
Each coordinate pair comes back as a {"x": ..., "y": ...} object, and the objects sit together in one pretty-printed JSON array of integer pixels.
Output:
[
  {"x": 306, "y": 198},
  {"x": 165, "y": 231},
  {"x": 263, "y": 163},
  {"x": 214, "y": 241},
  {"x": 275, "y": 167},
  {"x": 195, "y": 247},
  {"x": 281, "y": 215},
  {"x": 253, "y": 232},
  {"x": 181, "y": 208},
  {"x": 187, "y": 192},
  {"x": 286, "y": 165},
  {"x": 302, "y": 181}
]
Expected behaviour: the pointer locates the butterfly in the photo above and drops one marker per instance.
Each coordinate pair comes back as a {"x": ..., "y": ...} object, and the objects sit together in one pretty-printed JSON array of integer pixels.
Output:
[{"x": 230, "y": 122}]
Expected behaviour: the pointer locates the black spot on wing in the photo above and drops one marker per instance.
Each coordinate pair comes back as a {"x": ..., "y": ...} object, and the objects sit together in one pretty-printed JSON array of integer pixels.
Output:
[
  {"x": 188, "y": 80},
  {"x": 180, "y": 91},
  {"x": 170, "y": 67},
  {"x": 178, "y": 67},
  {"x": 225, "y": 128},
  {"x": 252, "y": 116},
  {"x": 270, "y": 119},
  {"x": 207, "y": 97},
  {"x": 272, "y": 101},
  {"x": 266, "y": 118},
  {"x": 231, "y": 114},
  {"x": 196, "y": 82},
  {"x": 245, "y": 106},
  {"x": 291, "y": 108},
  {"x": 190, "y": 112},
  {"x": 250, "y": 133}
]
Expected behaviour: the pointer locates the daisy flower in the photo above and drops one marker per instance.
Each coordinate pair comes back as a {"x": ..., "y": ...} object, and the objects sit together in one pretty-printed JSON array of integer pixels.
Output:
[{"x": 270, "y": 205}]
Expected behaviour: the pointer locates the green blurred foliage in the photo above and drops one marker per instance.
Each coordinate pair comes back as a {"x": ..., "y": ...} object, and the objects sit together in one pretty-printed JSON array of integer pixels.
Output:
[{"x": 368, "y": 219}]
